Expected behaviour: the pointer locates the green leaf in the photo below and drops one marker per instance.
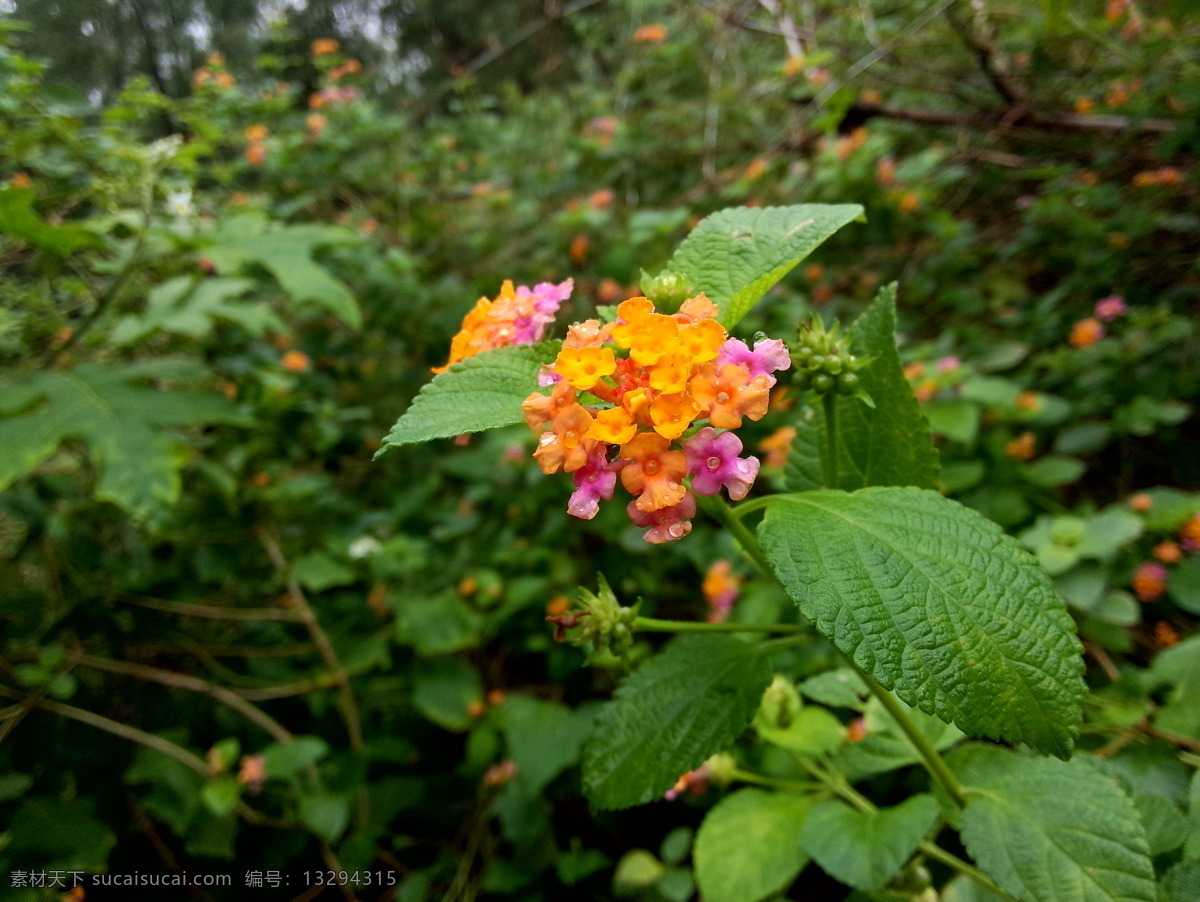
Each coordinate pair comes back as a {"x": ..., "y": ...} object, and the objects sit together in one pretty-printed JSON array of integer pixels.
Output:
[
  {"x": 1181, "y": 883},
  {"x": 1178, "y": 666},
  {"x": 1052, "y": 471},
  {"x": 1166, "y": 827},
  {"x": 1052, "y": 831},
  {"x": 1170, "y": 509},
  {"x": 18, "y": 219},
  {"x": 681, "y": 706},
  {"x": 749, "y": 845},
  {"x": 288, "y": 758},
  {"x": 812, "y": 732},
  {"x": 437, "y": 625},
  {"x": 221, "y": 795},
  {"x": 192, "y": 307},
  {"x": 736, "y": 255},
  {"x": 59, "y": 835},
  {"x": 1107, "y": 531},
  {"x": 286, "y": 252},
  {"x": 1183, "y": 585},
  {"x": 957, "y": 419},
  {"x": 865, "y": 849},
  {"x": 445, "y": 689},
  {"x": 638, "y": 868},
  {"x": 325, "y": 814},
  {"x": 481, "y": 392},
  {"x": 120, "y": 420},
  {"x": 544, "y": 738},
  {"x": 842, "y": 688},
  {"x": 938, "y": 604},
  {"x": 13, "y": 786},
  {"x": 888, "y": 444}
]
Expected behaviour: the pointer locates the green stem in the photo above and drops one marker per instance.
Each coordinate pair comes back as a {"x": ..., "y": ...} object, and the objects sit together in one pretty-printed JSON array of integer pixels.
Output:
[
  {"x": 723, "y": 514},
  {"x": 650, "y": 624},
  {"x": 933, "y": 761},
  {"x": 937, "y": 853},
  {"x": 771, "y": 645},
  {"x": 801, "y": 786},
  {"x": 830, "y": 464},
  {"x": 749, "y": 507}
]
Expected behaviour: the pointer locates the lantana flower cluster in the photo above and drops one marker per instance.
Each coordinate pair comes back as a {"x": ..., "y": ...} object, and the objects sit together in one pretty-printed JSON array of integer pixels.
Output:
[
  {"x": 518, "y": 316},
  {"x": 625, "y": 393}
]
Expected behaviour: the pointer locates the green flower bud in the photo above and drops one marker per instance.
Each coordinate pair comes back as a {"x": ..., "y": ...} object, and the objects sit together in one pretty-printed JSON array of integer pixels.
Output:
[
  {"x": 780, "y": 705},
  {"x": 822, "y": 383},
  {"x": 667, "y": 290}
]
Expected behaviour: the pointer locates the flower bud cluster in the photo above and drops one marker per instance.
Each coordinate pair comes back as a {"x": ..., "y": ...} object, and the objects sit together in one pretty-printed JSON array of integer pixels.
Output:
[
  {"x": 601, "y": 622},
  {"x": 825, "y": 364}
]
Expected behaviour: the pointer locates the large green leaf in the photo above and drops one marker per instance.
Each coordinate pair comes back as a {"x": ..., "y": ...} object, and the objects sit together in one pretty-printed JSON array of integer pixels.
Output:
[
  {"x": 192, "y": 307},
  {"x": 938, "y": 604},
  {"x": 286, "y": 252},
  {"x": 121, "y": 421},
  {"x": 18, "y": 218},
  {"x": 888, "y": 444},
  {"x": 865, "y": 849},
  {"x": 673, "y": 712},
  {"x": 736, "y": 255},
  {"x": 749, "y": 845},
  {"x": 1052, "y": 831},
  {"x": 481, "y": 392}
]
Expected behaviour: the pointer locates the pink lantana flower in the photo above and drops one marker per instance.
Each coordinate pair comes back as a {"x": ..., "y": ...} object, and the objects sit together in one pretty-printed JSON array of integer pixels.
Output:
[
  {"x": 713, "y": 462},
  {"x": 769, "y": 356},
  {"x": 667, "y": 523},
  {"x": 546, "y": 298},
  {"x": 948, "y": 364},
  {"x": 1110, "y": 308},
  {"x": 594, "y": 481}
]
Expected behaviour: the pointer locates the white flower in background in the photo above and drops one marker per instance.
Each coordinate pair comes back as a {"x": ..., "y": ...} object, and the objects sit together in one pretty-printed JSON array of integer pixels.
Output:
[
  {"x": 363, "y": 546},
  {"x": 179, "y": 203}
]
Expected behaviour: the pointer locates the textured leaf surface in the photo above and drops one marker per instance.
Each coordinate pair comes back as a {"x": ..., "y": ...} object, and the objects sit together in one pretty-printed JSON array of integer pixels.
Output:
[
  {"x": 1052, "y": 831},
  {"x": 865, "y": 849},
  {"x": 481, "y": 392},
  {"x": 889, "y": 444},
  {"x": 938, "y": 604},
  {"x": 286, "y": 252},
  {"x": 734, "y": 256},
  {"x": 749, "y": 845},
  {"x": 120, "y": 420},
  {"x": 681, "y": 706}
]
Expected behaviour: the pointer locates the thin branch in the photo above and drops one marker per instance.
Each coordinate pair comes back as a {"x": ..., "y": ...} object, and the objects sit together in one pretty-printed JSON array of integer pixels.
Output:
[
  {"x": 175, "y": 680},
  {"x": 124, "y": 731},
  {"x": 994, "y": 120},
  {"x": 346, "y": 700},
  {"x": 214, "y": 612},
  {"x": 983, "y": 45},
  {"x": 879, "y": 53},
  {"x": 787, "y": 28},
  {"x": 150, "y": 741},
  {"x": 288, "y": 690}
]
